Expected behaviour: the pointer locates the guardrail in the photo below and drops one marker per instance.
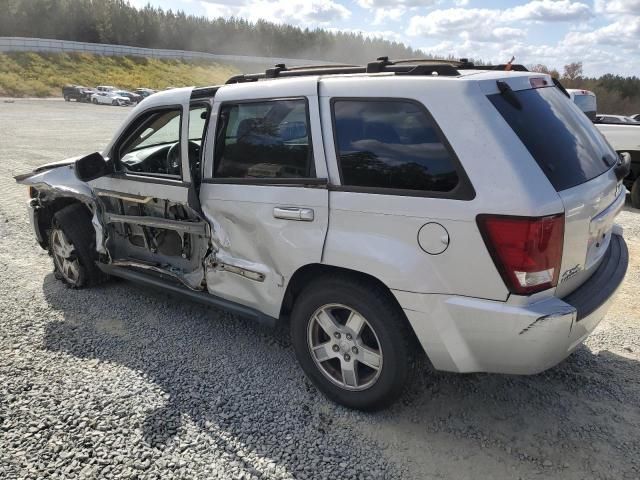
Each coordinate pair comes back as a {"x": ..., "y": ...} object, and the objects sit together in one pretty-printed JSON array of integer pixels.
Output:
[{"x": 24, "y": 44}]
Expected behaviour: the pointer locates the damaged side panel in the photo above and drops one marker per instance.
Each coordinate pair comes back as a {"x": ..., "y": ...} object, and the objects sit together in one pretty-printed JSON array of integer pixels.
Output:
[
  {"x": 136, "y": 231},
  {"x": 156, "y": 235}
]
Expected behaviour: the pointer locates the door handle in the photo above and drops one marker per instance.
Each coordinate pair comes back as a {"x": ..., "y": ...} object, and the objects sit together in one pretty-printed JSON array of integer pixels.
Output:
[{"x": 294, "y": 213}]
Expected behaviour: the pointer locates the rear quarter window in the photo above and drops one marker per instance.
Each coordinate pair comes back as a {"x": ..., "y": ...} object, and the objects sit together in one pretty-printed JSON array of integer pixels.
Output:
[
  {"x": 561, "y": 139},
  {"x": 392, "y": 145}
]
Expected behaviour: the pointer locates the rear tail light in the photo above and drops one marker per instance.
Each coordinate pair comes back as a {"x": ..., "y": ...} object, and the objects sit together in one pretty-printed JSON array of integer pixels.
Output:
[{"x": 527, "y": 251}]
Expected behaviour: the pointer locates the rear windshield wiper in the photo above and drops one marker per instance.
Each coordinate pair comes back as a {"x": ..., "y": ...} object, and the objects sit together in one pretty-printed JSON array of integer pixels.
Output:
[{"x": 508, "y": 94}]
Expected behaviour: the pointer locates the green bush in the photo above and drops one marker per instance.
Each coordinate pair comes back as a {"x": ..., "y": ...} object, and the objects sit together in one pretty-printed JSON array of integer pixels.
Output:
[{"x": 25, "y": 74}]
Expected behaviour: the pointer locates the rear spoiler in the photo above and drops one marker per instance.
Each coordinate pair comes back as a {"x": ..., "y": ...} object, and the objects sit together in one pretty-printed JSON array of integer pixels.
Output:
[{"x": 557, "y": 83}]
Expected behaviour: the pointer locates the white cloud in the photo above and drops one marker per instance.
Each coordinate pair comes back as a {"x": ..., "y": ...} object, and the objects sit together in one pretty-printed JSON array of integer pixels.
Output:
[
  {"x": 457, "y": 20},
  {"x": 395, "y": 3},
  {"x": 483, "y": 24},
  {"x": 468, "y": 23},
  {"x": 393, "y": 9},
  {"x": 549, "y": 11},
  {"x": 296, "y": 12},
  {"x": 631, "y": 7},
  {"x": 623, "y": 34}
]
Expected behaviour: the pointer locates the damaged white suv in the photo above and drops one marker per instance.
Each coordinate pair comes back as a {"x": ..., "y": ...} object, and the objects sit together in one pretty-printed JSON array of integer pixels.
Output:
[{"x": 379, "y": 210}]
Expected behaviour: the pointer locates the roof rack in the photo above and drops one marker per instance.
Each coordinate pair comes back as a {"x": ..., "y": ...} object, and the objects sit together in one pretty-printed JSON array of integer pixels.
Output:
[{"x": 416, "y": 66}]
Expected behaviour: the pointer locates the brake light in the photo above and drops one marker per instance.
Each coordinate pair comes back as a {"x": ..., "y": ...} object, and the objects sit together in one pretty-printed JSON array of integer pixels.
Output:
[
  {"x": 527, "y": 251},
  {"x": 538, "y": 82}
]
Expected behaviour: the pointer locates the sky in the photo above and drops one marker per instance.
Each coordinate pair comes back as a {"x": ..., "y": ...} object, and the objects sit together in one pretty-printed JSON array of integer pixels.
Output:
[{"x": 603, "y": 34}]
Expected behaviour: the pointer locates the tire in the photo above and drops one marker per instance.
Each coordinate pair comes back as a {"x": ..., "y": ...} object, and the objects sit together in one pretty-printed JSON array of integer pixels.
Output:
[
  {"x": 66, "y": 98},
  {"x": 115, "y": 103},
  {"x": 94, "y": 101},
  {"x": 385, "y": 325},
  {"x": 72, "y": 225},
  {"x": 635, "y": 193}
]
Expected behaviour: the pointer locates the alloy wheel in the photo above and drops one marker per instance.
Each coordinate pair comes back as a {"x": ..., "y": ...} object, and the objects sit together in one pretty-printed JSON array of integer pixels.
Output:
[
  {"x": 344, "y": 347},
  {"x": 64, "y": 256}
]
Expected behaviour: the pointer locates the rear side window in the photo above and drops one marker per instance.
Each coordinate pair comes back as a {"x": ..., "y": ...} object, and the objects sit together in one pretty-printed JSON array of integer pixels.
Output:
[
  {"x": 562, "y": 140},
  {"x": 266, "y": 139},
  {"x": 390, "y": 144}
]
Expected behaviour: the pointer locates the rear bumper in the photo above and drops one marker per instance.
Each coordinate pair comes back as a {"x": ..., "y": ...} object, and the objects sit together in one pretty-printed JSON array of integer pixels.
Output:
[{"x": 463, "y": 334}]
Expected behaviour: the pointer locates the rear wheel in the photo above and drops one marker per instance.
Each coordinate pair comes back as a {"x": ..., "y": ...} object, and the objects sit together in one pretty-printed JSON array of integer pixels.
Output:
[
  {"x": 635, "y": 193},
  {"x": 72, "y": 246},
  {"x": 94, "y": 101},
  {"x": 352, "y": 341}
]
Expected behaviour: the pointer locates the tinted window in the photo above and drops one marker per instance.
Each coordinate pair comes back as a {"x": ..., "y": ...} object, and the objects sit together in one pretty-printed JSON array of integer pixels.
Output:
[
  {"x": 390, "y": 144},
  {"x": 562, "y": 140},
  {"x": 264, "y": 140}
]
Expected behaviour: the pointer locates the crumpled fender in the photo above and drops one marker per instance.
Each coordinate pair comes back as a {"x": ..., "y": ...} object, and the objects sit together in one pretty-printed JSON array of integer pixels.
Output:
[{"x": 58, "y": 180}]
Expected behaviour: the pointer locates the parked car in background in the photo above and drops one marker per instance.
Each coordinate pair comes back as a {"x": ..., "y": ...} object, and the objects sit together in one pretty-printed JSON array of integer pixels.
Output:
[
  {"x": 87, "y": 93},
  {"x": 623, "y": 133},
  {"x": 361, "y": 211},
  {"x": 615, "y": 119},
  {"x": 77, "y": 93},
  {"x": 134, "y": 98},
  {"x": 144, "y": 92},
  {"x": 105, "y": 88},
  {"x": 585, "y": 100},
  {"x": 109, "y": 98}
]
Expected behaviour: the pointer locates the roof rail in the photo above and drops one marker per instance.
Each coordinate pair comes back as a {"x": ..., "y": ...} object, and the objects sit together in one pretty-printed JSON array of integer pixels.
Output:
[{"x": 415, "y": 66}]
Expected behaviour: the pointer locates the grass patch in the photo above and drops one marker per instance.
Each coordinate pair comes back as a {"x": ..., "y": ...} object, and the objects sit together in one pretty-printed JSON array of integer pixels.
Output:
[{"x": 29, "y": 74}]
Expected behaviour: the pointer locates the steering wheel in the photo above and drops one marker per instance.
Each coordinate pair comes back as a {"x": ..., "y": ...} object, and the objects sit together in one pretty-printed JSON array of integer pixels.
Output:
[{"x": 172, "y": 164}]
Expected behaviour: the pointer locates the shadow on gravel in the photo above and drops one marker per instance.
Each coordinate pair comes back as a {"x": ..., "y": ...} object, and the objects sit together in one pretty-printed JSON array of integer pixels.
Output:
[
  {"x": 235, "y": 380},
  {"x": 241, "y": 385},
  {"x": 580, "y": 419}
]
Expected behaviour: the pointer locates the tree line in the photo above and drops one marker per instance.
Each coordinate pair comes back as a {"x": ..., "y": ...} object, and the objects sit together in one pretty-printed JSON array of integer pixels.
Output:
[
  {"x": 117, "y": 22},
  {"x": 615, "y": 94}
]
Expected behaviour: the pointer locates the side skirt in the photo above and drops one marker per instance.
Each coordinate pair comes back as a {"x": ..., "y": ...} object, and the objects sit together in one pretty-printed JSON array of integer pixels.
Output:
[{"x": 183, "y": 292}]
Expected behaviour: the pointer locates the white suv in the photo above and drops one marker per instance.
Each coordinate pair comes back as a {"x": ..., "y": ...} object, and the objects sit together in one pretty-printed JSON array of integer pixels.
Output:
[{"x": 378, "y": 210}]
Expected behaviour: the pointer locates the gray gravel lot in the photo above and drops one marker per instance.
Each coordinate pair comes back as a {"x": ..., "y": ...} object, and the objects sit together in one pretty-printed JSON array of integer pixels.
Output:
[{"x": 124, "y": 382}]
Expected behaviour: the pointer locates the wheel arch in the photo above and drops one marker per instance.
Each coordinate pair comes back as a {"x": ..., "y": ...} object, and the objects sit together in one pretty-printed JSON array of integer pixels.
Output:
[
  {"x": 310, "y": 272},
  {"x": 47, "y": 211}
]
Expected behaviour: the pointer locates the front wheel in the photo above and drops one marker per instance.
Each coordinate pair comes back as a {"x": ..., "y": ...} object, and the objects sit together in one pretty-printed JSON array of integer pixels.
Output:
[
  {"x": 115, "y": 103},
  {"x": 94, "y": 101},
  {"x": 352, "y": 341},
  {"x": 72, "y": 246}
]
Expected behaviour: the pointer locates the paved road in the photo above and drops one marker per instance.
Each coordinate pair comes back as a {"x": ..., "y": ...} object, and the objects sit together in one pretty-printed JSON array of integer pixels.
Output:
[{"x": 122, "y": 382}]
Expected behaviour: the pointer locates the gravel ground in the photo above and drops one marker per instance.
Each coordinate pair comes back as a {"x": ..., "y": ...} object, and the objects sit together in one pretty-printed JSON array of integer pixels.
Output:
[{"x": 123, "y": 382}]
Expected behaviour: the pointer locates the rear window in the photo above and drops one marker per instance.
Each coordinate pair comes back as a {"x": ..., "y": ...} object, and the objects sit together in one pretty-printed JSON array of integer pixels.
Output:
[
  {"x": 562, "y": 140},
  {"x": 391, "y": 144}
]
